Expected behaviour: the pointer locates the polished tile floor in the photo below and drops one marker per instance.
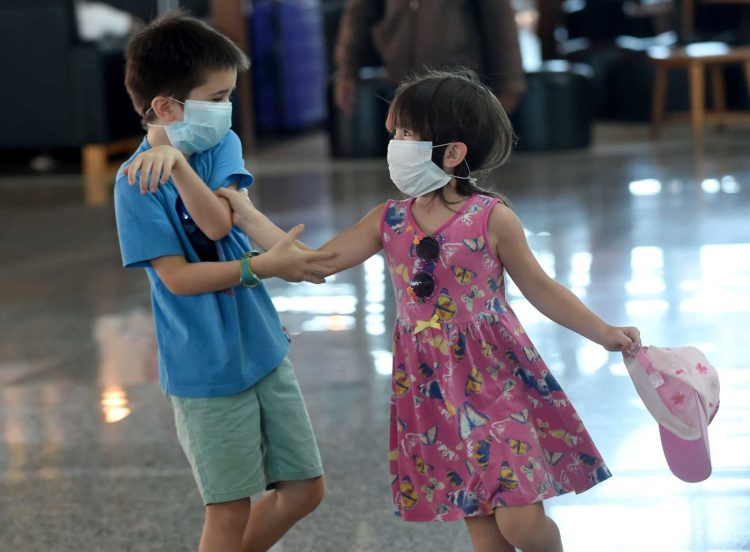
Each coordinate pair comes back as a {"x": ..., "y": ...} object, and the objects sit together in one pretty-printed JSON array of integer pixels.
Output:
[{"x": 655, "y": 234}]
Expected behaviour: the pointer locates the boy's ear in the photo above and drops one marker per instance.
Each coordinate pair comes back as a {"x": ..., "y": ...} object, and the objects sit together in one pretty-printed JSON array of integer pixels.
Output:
[
  {"x": 165, "y": 108},
  {"x": 455, "y": 154}
]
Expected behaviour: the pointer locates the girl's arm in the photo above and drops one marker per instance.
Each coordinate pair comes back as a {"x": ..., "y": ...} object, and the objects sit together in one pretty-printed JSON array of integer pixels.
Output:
[
  {"x": 350, "y": 248},
  {"x": 259, "y": 228},
  {"x": 284, "y": 260},
  {"x": 549, "y": 297},
  {"x": 356, "y": 244}
]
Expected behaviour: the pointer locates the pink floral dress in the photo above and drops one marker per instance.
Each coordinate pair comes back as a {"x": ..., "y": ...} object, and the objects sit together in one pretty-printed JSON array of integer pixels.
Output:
[{"x": 477, "y": 419}]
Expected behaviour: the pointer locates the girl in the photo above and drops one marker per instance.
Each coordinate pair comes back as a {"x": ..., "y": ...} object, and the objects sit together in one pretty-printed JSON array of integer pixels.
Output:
[{"x": 480, "y": 429}]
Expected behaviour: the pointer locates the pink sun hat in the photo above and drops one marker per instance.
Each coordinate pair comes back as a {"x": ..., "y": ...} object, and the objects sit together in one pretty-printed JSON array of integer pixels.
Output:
[{"x": 680, "y": 388}]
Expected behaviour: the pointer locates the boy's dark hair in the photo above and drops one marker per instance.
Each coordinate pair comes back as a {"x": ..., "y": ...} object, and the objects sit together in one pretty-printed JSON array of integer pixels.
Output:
[
  {"x": 454, "y": 106},
  {"x": 173, "y": 55}
]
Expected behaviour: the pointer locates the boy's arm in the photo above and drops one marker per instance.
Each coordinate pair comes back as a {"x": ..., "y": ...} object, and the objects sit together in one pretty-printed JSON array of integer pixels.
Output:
[
  {"x": 355, "y": 244},
  {"x": 284, "y": 260},
  {"x": 210, "y": 213},
  {"x": 156, "y": 165}
]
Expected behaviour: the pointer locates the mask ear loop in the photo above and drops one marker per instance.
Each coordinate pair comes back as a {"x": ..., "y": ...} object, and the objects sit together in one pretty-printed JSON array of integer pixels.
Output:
[
  {"x": 171, "y": 98},
  {"x": 152, "y": 107},
  {"x": 470, "y": 178}
]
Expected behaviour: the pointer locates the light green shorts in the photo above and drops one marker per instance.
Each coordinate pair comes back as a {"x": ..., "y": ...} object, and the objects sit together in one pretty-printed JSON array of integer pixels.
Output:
[{"x": 239, "y": 445}]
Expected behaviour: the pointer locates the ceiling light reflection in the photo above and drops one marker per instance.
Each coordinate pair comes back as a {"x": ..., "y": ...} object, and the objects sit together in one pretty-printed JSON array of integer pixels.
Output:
[
  {"x": 375, "y": 295},
  {"x": 645, "y": 187},
  {"x": 590, "y": 358},
  {"x": 317, "y": 304},
  {"x": 638, "y": 307},
  {"x": 383, "y": 361},
  {"x": 729, "y": 185},
  {"x": 647, "y": 271},
  {"x": 115, "y": 404},
  {"x": 724, "y": 283},
  {"x": 332, "y": 323},
  {"x": 711, "y": 186},
  {"x": 580, "y": 273}
]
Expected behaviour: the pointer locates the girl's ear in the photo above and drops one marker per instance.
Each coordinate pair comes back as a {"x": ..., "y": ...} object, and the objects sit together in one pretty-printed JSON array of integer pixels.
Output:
[
  {"x": 165, "y": 109},
  {"x": 454, "y": 155}
]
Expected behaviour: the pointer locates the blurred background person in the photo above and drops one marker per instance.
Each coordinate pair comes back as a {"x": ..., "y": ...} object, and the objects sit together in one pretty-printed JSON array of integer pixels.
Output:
[{"x": 410, "y": 34}]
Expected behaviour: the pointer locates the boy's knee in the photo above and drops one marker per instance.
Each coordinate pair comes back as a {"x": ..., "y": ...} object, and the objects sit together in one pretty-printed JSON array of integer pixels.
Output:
[
  {"x": 231, "y": 516},
  {"x": 302, "y": 497}
]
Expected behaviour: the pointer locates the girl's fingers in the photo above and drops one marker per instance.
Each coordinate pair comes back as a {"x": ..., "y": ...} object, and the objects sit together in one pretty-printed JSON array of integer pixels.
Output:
[
  {"x": 314, "y": 278},
  {"x": 156, "y": 169},
  {"x": 133, "y": 170},
  {"x": 145, "y": 175},
  {"x": 322, "y": 269}
]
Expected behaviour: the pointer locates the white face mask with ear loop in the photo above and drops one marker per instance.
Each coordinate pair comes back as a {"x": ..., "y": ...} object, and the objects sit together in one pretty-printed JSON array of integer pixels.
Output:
[{"x": 412, "y": 170}]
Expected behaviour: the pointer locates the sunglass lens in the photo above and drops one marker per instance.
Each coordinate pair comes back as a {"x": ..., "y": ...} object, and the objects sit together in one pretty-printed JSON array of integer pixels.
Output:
[
  {"x": 428, "y": 249},
  {"x": 423, "y": 284}
]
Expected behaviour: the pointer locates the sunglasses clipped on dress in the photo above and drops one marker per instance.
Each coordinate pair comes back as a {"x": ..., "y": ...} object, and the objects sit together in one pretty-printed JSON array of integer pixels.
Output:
[{"x": 422, "y": 284}]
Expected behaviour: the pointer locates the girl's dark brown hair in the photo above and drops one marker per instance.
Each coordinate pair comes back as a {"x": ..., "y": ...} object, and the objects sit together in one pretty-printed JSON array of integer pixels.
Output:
[
  {"x": 173, "y": 55},
  {"x": 454, "y": 106}
]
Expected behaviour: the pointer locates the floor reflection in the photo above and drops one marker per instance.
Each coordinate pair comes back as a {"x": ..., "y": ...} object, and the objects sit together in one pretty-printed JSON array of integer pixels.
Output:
[{"x": 633, "y": 228}]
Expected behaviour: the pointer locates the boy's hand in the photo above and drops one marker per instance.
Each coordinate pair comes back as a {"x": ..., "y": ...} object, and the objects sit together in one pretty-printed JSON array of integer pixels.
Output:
[
  {"x": 155, "y": 165},
  {"x": 287, "y": 261},
  {"x": 240, "y": 202}
]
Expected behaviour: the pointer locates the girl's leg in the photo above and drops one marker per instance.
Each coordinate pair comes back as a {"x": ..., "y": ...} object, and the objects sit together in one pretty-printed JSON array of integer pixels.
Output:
[
  {"x": 528, "y": 528},
  {"x": 485, "y": 535},
  {"x": 275, "y": 513},
  {"x": 224, "y": 525}
]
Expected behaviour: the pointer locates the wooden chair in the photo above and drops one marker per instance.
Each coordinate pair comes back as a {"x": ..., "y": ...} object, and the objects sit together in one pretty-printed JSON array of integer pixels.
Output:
[{"x": 699, "y": 59}]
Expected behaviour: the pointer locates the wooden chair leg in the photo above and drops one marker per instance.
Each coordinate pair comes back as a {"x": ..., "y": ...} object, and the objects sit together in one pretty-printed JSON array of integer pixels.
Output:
[
  {"x": 658, "y": 100},
  {"x": 95, "y": 159},
  {"x": 98, "y": 171},
  {"x": 718, "y": 91},
  {"x": 697, "y": 99}
]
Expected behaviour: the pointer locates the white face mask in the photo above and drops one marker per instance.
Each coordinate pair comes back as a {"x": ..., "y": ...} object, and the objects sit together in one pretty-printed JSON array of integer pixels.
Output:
[
  {"x": 412, "y": 170},
  {"x": 203, "y": 126}
]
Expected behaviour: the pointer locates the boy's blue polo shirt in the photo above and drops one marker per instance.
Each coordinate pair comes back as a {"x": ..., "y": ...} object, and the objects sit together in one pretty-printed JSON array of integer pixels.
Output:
[{"x": 213, "y": 343}]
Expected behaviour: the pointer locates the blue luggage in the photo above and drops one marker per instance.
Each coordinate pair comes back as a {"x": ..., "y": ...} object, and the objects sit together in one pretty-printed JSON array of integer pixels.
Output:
[{"x": 288, "y": 64}]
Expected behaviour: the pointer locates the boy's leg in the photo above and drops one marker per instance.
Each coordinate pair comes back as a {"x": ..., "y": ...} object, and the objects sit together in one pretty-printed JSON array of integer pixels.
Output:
[
  {"x": 486, "y": 536},
  {"x": 292, "y": 460},
  {"x": 224, "y": 525},
  {"x": 221, "y": 438},
  {"x": 529, "y": 528},
  {"x": 275, "y": 513}
]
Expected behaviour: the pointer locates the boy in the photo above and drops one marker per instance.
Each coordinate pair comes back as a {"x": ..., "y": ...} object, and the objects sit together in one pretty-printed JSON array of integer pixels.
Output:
[{"x": 240, "y": 418}]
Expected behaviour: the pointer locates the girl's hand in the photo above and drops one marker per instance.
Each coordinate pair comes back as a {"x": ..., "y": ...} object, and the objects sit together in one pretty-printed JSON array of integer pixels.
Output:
[
  {"x": 155, "y": 165},
  {"x": 289, "y": 262},
  {"x": 626, "y": 339},
  {"x": 240, "y": 202}
]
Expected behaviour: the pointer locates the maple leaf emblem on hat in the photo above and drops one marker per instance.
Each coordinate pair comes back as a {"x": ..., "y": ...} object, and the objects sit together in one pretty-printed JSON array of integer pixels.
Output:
[
  {"x": 701, "y": 369},
  {"x": 677, "y": 398}
]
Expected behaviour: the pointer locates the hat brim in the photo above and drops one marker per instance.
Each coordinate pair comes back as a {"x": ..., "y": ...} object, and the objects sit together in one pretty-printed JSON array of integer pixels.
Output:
[{"x": 689, "y": 460}]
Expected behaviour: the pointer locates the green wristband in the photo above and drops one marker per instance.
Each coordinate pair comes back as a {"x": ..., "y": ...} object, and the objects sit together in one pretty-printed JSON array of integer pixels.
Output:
[{"x": 247, "y": 277}]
